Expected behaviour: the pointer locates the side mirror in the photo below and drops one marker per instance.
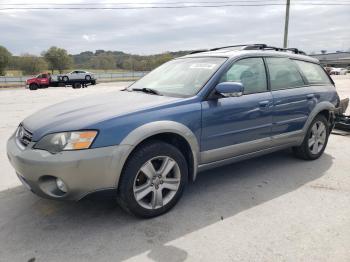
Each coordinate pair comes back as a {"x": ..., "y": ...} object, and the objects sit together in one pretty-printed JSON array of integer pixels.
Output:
[{"x": 230, "y": 89}]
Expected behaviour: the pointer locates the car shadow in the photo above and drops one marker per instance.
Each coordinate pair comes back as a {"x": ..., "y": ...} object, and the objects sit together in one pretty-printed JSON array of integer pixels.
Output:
[{"x": 95, "y": 229}]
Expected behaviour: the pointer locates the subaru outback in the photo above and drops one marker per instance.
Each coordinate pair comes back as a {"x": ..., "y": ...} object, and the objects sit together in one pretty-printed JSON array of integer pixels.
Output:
[{"x": 200, "y": 111}]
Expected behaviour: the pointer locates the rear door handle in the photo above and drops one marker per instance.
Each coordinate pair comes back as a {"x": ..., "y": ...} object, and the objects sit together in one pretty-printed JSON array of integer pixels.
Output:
[
  {"x": 310, "y": 96},
  {"x": 264, "y": 103}
]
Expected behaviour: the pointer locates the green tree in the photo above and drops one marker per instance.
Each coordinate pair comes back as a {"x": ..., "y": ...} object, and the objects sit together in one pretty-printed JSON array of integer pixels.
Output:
[
  {"x": 129, "y": 63},
  {"x": 30, "y": 64},
  {"x": 164, "y": 58},
  {"x": 5, "y": 57},
  {"x": 58, "y": 59},
  {"x": 103, "y": 61}
]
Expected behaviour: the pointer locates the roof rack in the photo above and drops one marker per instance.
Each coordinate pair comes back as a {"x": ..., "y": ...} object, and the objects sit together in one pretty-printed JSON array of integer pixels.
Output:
[
  {"x": 296, "y": 51},
  {"x": 266, "y": 47},
  {"x": 253, "y": 47},
  {"x": 198, "y": 51}
]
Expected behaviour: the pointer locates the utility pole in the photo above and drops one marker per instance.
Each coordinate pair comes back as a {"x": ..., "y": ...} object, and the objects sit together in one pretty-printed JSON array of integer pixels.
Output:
[{"x": 286, "y": 24}]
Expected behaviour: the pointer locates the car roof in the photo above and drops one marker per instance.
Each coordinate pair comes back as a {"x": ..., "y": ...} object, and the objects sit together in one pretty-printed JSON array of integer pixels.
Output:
[{"x": 229, "y": 53}]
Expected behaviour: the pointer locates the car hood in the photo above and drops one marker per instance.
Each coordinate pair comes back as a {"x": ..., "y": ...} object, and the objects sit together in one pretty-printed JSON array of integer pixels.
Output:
[
  {"x": 30, "y": 79},
  {"x": 84, "y": 112}
]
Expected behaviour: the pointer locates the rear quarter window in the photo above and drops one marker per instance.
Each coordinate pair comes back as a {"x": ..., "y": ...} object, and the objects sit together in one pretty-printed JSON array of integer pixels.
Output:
[{"x": 313, "y": 73}]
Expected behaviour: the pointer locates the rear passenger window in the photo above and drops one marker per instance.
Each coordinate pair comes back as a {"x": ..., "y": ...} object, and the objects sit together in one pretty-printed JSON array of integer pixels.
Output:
[
  {"x": 283, "y": 74},
  {"x": 250, "y": 72},
  {"x": 313, "y": 72}
]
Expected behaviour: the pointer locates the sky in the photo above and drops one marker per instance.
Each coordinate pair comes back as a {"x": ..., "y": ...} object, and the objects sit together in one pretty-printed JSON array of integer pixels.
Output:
[{"x": 150, "y": 31}]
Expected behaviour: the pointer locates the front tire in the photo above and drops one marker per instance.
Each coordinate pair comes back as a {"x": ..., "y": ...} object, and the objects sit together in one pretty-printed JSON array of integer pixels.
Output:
[
  {"x": 33, "y": 87},
  {"x": 315, "y": 140},
  {"x": 152, "y": 180}
]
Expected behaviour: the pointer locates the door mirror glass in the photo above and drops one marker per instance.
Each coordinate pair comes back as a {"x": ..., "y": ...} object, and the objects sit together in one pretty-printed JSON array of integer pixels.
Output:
[{"x": 230, "y": 89}]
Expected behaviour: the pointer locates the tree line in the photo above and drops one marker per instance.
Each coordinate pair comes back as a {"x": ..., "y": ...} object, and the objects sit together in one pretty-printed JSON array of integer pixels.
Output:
[{"x": 58, "y": 59}]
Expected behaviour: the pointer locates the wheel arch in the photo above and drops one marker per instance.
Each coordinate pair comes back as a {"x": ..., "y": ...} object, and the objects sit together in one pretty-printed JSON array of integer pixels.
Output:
[
  {"x": 171, "y": 132},
  {"x": 325, "y": 108}
]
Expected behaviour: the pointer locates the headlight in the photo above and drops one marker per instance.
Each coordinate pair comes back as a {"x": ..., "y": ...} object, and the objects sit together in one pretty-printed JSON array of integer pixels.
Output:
[{"x": 58, "y": 142}]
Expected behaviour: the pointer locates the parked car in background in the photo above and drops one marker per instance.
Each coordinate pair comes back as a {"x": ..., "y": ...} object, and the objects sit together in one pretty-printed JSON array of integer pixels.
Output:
[
  {"x": 328, "y": 69},
  {"x": 201, "y": 111},
  {"x": 338, "y": 71},
  {"x": 45, "y": 80},
  {"x": 77, "y": 75}
]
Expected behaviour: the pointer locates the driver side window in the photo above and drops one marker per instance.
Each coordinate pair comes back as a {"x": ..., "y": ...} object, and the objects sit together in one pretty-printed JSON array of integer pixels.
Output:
[{"x": 250, "y": 72}]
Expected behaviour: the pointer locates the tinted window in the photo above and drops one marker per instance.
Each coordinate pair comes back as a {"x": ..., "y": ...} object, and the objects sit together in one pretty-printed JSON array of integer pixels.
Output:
[
  {"x": 250, "y": 72},
  {"x": 283, "y": 73},
  {"x": 313, "y": 72}
]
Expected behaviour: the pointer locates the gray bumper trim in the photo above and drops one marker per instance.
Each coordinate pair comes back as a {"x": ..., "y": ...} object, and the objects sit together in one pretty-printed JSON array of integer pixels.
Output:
[{"x": 83, "y": 171}]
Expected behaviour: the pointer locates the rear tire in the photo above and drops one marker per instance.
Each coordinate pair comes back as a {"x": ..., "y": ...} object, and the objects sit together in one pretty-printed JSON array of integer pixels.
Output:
[
  {"x": 65, "y": 78},
  {"x": 76, "y": 85},
  {"x": 153, "y": 179},
  {"x": 315, "y": 140},
  {"x": 87, "y": 77},
  {"x": 33, "y": 87}
]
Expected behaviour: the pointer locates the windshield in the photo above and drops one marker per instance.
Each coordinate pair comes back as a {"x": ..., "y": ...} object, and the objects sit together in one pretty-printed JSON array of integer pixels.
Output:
[{"x": 180, "y": 77}]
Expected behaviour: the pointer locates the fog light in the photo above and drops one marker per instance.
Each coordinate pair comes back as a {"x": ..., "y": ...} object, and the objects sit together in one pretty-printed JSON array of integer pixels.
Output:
[{"x": 61, "y": 185}]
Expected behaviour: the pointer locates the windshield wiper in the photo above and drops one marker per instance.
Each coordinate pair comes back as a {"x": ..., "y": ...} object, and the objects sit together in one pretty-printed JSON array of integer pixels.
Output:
[{"x": 147, "y": 90}]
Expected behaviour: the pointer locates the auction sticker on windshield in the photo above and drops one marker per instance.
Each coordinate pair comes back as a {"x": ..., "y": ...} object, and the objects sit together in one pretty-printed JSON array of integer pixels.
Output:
[{"x": 203, "y": 66}]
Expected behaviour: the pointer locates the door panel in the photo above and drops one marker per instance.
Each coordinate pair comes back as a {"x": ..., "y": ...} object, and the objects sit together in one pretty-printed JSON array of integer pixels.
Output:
[
  {"x": 291, "y": 109},
  {"x": 235, "y": 120},
  {"x": 238, "y": 125},
  {"x": 73, "y": 75},
  {"x": 293, "y": 100}
]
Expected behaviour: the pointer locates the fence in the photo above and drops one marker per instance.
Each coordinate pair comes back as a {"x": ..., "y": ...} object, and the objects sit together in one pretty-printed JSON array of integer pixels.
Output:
[{"x": 8, "y": 81}]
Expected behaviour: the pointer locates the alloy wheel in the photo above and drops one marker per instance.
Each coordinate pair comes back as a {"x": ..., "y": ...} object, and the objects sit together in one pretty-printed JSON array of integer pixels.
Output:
[
  {"x": 157, "y": 182},
  {"x": 318, "y": 136}
]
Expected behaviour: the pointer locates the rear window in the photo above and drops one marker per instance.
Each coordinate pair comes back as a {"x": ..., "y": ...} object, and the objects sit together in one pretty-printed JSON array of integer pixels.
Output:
[
  {"x": 313, "y": 72},
  {"x": 283, "y": 73}
]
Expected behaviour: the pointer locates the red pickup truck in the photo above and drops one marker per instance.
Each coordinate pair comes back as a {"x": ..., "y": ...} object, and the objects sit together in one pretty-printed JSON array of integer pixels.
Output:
[
  {"x": 40, "y": 81},
  {"x": 45, "y": 80}
]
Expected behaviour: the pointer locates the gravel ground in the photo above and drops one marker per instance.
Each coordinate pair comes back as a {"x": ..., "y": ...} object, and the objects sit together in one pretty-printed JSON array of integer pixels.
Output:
[{"x": 272, "y": 208}]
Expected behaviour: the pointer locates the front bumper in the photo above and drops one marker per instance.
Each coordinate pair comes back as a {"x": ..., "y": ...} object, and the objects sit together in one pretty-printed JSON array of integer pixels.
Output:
[{"x": 82, "y": 171}]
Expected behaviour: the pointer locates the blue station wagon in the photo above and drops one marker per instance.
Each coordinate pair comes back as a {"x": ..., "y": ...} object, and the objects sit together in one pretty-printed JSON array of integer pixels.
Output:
[{"x": 203, "y": 110}]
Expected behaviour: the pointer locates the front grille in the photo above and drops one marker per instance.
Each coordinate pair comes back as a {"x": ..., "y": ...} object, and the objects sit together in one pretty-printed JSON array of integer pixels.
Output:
[{"x": 24, "y": 136}]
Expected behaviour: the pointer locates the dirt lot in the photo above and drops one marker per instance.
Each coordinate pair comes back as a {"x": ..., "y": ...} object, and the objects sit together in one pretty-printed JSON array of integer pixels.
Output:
[{"x": 273, "y": 208}]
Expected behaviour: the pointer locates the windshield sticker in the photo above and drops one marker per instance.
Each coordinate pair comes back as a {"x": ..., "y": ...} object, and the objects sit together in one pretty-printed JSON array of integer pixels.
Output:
[{"x": 203, "y": 66}]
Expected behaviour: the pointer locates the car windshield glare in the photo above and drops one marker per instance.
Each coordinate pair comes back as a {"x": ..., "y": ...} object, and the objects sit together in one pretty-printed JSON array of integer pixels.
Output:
[{"x": 180, "y": 77}]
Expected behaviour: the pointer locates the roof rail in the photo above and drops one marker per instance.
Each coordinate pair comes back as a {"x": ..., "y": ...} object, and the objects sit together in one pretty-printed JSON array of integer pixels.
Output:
[
  {"x": 296, "y": 51},
  {"x": 215, "y": 49},
  {"x": 198, "y": 51},
  {"x": 253, "y": 47},
  {"x": 266, "y": 47},
  {"x": 225, "y": 47}
]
